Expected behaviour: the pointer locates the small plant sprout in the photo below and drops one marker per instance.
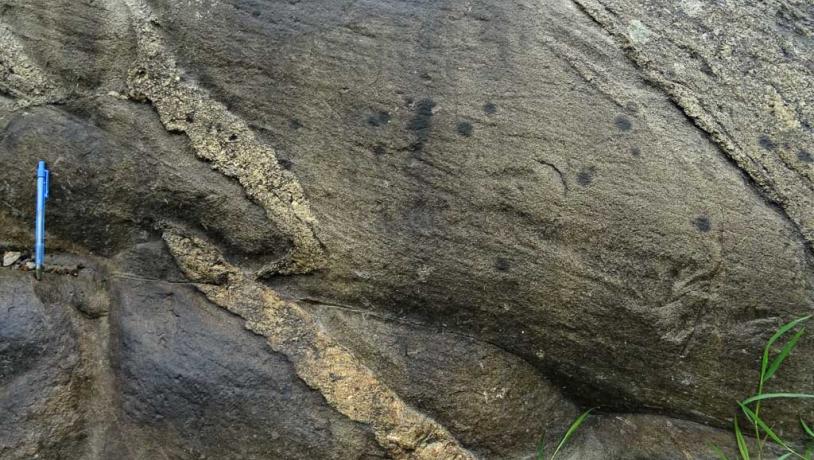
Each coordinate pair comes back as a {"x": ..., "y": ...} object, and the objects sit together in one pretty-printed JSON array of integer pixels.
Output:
[{"x": 570, "y": 432}]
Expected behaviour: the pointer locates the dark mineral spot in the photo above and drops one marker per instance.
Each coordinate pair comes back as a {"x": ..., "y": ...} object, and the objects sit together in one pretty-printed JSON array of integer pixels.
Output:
[
  {"x": 707, "y": 69},
  {"x": 636, "y": 151},
  {"x": 285, "y": 163},
  {"x": 415, "y": 146},
  {"x": 232, "y": 137},
  {"x": 421, "y": 123},
  {"x": 190, "y": 117},
  {"x": 585, "y": 176},
  {"x": 766, "y": 142},
  {"x": 805, "y": 156},
  {"x": 465, "y": 128},
  {"x": 379, "y": 150},
  {"x": 623, "y": 123},
  {"x": 423, "y": 115},
  {"x": 378, "y": 119},
  {"x": 549, "y": 231},
  {"x": 420, "y": 217},
  {"x": 702, "y": 223},
  {"x": 490, "y": 108},
  {"x": 426, "y": 76},
  {"x": 256, "y": 13},
  {"x": 294, "y": 123},
  {"x": 502, "y": 264}
]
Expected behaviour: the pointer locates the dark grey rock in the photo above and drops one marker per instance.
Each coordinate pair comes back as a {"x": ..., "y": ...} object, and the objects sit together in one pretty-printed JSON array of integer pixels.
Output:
[
  {"x": 628, "y": 278},
  {"x": 118, "y": 177},
  {"x": 193, "y": 383},
  {"x": 608, "y": 200},
  {"x": 40, "y": 374}
]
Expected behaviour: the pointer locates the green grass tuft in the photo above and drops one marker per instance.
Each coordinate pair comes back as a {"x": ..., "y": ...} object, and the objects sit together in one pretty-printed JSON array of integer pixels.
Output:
[{"x": 768, "y": 368}]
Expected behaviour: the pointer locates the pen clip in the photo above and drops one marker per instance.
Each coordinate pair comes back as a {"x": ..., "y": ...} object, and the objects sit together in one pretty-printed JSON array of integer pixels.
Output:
[{"x": 47, "y": 177}]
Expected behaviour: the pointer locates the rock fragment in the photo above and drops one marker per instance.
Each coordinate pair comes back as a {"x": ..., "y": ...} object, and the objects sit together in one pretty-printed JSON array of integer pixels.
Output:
[{"x": 10, "y": 257}]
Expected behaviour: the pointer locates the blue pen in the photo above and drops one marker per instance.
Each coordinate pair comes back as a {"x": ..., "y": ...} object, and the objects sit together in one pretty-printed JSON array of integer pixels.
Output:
[{"x": 39, "y": 231}]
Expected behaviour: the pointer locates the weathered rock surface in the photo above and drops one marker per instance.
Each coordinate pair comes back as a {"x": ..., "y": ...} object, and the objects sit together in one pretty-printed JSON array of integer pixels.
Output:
[
  {"x": 400, "y": 229},
  {"x": 743, "y": 74},
  {"x": 192, "y": 382},
  {"x": 639, "y": 436},
  {"x": 41, "y": 375}
]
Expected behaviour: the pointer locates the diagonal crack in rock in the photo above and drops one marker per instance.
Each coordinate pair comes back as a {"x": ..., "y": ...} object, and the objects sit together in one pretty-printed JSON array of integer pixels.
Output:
[
  {"x": 319, "y": 360},
  {"x": 225, "y": 140},
  {"x": 786, "y": 189}
]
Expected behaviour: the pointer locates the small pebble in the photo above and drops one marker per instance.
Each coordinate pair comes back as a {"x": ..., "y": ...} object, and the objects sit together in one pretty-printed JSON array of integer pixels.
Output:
[{"x": 10, "y": 257}]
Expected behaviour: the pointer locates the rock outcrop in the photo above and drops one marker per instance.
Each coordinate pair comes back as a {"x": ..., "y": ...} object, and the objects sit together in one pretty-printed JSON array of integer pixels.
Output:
[{"x": 314, "y": 229}]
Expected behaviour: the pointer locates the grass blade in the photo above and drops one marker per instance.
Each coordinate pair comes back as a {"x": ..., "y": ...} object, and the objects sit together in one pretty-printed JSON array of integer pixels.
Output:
[
  {"x": 742, "y": 448},
  {"x": 780, "y": 333},
  {"x": 784, "y": 456},
  {"x": 571, "y": 429},
  {"x": 763, "y": 426},
  {"x": 720, "y": 453},
  {"x": 763, "y": 396},
  {"x": 785, "y": 328},
  {"x": 541, "y": 448},
  {"x": 807, "y": 429},
  {"x": 784, "y": 353}
]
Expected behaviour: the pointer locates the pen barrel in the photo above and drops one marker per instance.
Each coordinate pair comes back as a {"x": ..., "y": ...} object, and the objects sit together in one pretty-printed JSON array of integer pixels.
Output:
[{"x": 39, "y": 230}]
